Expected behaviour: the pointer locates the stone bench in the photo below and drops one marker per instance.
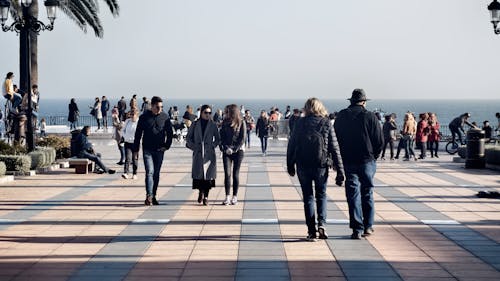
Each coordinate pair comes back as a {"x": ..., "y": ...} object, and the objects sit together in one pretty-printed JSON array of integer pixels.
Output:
[{"x": 81, "y": 165}]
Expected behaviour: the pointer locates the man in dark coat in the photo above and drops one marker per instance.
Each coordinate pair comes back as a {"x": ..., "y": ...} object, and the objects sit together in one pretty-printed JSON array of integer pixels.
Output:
[
  {"x": 361, "y": 140},
  {"x": 122, "y": 107},
  {"x": 155, "y": 130},
  {"x": 82, "y": 148}
]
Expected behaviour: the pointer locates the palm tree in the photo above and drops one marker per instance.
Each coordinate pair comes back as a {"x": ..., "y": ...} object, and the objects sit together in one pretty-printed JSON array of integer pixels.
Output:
[{"x": 85, "y": 13}]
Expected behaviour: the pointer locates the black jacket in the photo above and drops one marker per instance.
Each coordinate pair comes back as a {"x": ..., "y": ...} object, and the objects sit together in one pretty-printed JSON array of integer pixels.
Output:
[
  {"x": 262, "y": 127},
  {"x": 298, "y": 131},
  {"x": 155, "y": 131},
  {"x": 228, "y": 139},
  {"x": 359, "y": 135},
  {"x": 80, "y": 144}
]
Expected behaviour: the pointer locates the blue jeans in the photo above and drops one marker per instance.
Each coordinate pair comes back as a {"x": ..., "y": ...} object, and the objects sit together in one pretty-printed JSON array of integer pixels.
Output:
[
  {"x": 359, "y": 193},
  {"x": 232, "y": 164},
  {"x": 263, "y": 144},
  {"x": 306, "y": 177},
  {"x": 152, "y": 163}
]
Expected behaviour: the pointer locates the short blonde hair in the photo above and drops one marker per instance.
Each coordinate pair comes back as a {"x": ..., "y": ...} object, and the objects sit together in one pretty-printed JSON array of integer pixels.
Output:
[{"x": 314, "y": 106}]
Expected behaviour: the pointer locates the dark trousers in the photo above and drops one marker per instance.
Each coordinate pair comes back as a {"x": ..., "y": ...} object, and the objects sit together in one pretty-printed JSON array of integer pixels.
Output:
[
  {"x": 308, "y": 175},
  {"x": 96, "y": 158},
  {"x": 232, "y": 164},
  {"x": 423, "y": 149},
  {"x": 391, "y": 147},
  {"x": 98, "y": 123},
  {"x": 131, "y": 157},
  {"x": 121, "y": 148},
  {"x": 105, "y": 121},
  {"x": 434, "y": 147},
  {"x": 456, "y": 131},
  {"x": 263, "y": 144}
]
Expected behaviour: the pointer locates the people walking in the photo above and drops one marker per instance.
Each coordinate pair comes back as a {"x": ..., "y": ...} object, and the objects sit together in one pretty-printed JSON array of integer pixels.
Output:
[
  {"x": 117, "y": 134},
  {"x": 434, "y": 135},
  {"x": 250, "y": 125},
  {"x": 262, "y": 131},
  {"x": 104, "y": 111},
  {"x": 202, "y": 138},
  {"x": 73, "y": 114},
  {"x": 313, "y": 148},
  {"x": 128, "y": 135},
  {"x": 146, "y": 105},
  {"x": 361, "y": 140},
  {"x": 155, "y": 131},
  {"x": 233, "y": 134},
  {"x": 389, "y": 129},
  {"x": 422, "y": 134}
]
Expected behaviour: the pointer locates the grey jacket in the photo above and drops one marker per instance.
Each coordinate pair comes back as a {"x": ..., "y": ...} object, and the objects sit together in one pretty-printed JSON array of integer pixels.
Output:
[{"x": 203, "y": 147}]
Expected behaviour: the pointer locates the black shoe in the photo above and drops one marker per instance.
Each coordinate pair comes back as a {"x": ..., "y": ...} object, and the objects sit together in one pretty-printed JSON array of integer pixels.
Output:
[
  {"x": 120, "y": 163},
  {"x": 312, "y": 237},
  {"x": 99, "y": 171},
  {"x": 435, "y": 155},
  {"x": 110, "y": 171},
  {"x": 205, "y": 201},
  {"x": 154, "y": 201},
  {"x": 356, "y": 235},
  {"x": 322, "y": 232},
  {"x": 200, "y": 197},
  {"x": 369, "y": 231},
  {"x": 148, "y": 201}
]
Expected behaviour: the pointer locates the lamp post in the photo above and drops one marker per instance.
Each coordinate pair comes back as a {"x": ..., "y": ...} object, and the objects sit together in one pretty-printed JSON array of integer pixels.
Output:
[
  {"x": 24, "y": 25},
  {"x": 494, "y": 8}
]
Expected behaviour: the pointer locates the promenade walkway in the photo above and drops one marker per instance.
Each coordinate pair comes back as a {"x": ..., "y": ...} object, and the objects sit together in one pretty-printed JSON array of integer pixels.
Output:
[{"x": 429, "y": 226}]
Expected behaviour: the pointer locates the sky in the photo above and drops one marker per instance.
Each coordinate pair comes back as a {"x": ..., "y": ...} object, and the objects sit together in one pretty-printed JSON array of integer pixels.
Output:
[{"x": 277, "y": 49}]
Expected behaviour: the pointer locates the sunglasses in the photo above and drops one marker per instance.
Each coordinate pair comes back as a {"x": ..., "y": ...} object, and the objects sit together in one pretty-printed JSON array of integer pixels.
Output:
[{"x": 207, "y": 112}]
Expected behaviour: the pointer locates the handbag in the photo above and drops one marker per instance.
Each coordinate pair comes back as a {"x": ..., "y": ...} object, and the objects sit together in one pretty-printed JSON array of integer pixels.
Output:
[{"x": 92, "y": 112}]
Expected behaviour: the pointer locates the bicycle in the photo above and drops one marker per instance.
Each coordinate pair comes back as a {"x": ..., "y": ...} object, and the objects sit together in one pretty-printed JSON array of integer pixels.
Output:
[{"x": 452, "y": 146}]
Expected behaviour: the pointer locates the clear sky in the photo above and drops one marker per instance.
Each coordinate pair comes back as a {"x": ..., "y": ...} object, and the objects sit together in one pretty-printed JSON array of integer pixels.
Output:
[{"x": 425, "y": 49}]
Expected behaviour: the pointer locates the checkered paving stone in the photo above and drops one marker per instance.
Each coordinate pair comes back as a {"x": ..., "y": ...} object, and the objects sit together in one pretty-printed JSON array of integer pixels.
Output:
[{"x": 429, "y": 225}]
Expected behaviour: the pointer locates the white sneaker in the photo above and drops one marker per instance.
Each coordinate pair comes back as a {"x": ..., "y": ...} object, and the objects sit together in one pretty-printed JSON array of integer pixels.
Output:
[
  {"x": 227, "y": 201},
  {"x": 134, "y": 177},
  {"x": 125, "y": 176},
  {"x": 234, "y": 201}
]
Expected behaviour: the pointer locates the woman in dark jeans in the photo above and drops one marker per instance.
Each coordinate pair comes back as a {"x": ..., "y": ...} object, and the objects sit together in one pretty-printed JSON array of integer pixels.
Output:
[
  {"x": 262, "y": 130},
  {"x": 232, "y": 134}
]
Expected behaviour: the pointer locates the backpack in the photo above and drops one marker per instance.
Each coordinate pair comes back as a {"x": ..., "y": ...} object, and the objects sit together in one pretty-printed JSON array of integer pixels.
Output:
[{"x": 312, "y": 148}]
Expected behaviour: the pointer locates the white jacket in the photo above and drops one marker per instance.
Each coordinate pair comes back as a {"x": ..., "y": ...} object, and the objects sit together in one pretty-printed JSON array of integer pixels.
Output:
[{"x": 128, "y": 130}]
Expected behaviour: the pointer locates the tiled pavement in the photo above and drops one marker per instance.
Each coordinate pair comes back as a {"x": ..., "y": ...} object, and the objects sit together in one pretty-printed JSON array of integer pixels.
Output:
[{"x": 429, "y": 226}]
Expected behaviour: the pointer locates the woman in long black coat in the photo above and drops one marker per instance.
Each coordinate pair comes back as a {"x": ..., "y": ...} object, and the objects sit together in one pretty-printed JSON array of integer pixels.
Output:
[
  {"x": 262, "y": 130},
  {"x": 73, "y": 114}
]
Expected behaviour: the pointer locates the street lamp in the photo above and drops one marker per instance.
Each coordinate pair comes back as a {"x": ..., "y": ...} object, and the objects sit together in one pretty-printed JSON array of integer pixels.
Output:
[
  {"x": 24, "y": 24},
  {"x": 494, "y": 8}
]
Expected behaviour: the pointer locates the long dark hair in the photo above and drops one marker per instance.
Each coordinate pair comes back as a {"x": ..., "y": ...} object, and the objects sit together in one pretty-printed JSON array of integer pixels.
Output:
[{"x": 232, "y": 116}]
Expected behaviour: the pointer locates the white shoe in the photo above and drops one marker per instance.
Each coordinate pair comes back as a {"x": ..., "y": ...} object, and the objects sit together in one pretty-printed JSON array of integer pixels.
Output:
[
  {"x": 134, "y": 177},
  {"x": 234, "y": 201},
  {"x": 125, "y": 176},
  {"x": 227, "y": 201}
]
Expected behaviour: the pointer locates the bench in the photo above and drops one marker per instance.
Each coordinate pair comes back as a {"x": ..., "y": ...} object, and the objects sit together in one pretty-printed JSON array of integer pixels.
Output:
[{"x": 81, "y": 165}]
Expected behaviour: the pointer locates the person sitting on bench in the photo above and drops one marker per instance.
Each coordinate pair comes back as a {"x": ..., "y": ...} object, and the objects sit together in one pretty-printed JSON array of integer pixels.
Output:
[{"x": 83, "y": 149}]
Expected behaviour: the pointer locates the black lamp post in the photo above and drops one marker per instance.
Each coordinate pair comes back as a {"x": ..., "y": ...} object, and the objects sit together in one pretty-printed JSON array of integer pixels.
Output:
[
  {"x": 494, "y": 8},
  {"x": 24, "y": 24}
]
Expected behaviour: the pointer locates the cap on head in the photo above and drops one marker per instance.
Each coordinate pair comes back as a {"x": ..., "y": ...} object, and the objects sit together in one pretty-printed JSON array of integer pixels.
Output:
[{"x": 358, "y": 95}]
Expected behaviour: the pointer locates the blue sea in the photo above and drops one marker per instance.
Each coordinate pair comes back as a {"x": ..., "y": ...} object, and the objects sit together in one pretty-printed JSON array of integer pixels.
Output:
[{"x": 446, "y": 109}]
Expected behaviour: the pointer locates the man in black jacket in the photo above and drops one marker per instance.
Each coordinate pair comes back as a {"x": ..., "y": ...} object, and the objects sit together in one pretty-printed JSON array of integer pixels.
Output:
[
  {"x": 155, "y": 130},
  {"x": 314, "y": 149},
  {"x": 360, "y": 138}
]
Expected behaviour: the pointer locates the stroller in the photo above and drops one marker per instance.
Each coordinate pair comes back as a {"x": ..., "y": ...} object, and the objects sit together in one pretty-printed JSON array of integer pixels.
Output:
[{"x": 180, "y": 131}]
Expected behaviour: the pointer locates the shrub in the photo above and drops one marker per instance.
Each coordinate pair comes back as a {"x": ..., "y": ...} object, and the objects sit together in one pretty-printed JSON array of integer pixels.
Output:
[
  {"x": 42, "y": 157},
  {"x": 3, "y": 169},
  {"x": 60, "y": 144},
  {"x": 7, "y": 149},
  {"x": 19, "y": 163}
]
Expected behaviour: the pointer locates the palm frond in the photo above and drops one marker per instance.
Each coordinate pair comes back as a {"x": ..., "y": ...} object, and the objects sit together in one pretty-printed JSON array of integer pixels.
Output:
[
  {"x": 113, "y": 7},
  {"x": 80, "y": 21},
  {"x": 84, "y": 9}
]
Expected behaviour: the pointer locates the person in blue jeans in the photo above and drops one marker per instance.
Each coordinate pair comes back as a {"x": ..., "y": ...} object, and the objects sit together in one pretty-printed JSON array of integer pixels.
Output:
[
  {"x": 313, "y": 148},
  {"x": 155, "y": 130},
  {"x": 361, "y": 141}
]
